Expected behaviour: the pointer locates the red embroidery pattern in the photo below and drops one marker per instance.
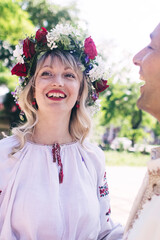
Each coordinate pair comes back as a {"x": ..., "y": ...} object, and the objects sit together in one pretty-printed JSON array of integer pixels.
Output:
[
  {"x": 105, "y": 176},
  {"x": 108, "y": 213},
  {"x": 57, "y": 158},
  {"x": 104, "y": 190}
]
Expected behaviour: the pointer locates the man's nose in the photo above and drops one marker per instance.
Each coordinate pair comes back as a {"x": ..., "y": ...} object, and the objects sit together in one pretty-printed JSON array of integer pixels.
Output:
[{"x": 138, "y": 57}]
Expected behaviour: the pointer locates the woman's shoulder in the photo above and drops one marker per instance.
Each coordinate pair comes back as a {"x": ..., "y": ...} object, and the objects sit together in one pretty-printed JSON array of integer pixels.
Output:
[
  {"x": 93, "y": 148},
  {"x": 95, "y": 155},
  {"x": 7, "y": 143},
  {"x": 7, "y": 163},
  {"x": 9, "y": 140}
]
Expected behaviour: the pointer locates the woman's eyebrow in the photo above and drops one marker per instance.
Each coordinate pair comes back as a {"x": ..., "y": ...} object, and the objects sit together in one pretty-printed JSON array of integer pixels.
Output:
[
  {"x": 66, "y": 68},
  {"x": 46, "y": 66}
]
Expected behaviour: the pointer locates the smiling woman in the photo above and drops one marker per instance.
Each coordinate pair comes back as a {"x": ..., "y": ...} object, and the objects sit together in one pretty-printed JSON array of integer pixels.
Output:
[{"x": 52, "y": 180}]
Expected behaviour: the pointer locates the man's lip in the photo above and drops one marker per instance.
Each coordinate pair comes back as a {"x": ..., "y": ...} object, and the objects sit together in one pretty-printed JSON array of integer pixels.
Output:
[
  {"x": 142, "y": 88},
  {"x": 141, "y": 77}
]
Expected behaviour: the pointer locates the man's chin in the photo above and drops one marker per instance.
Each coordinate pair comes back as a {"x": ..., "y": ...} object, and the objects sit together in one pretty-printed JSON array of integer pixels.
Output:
[{"x": 140, "y": 103}]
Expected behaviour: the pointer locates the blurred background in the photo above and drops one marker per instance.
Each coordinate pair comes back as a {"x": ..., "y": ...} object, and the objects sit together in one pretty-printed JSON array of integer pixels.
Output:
[{"x": 119, "y": 29}]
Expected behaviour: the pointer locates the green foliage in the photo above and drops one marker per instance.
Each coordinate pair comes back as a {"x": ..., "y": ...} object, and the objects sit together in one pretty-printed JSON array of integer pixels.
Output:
[
  {"x": 6, "y": 53},
  {"x": 43, "y": 13},
  {"x": 119, "y": 100},
  {"x": 136, "y": 135},
  {"x": 119, "y": 109},
  {"x": 6, "y": 77},
  {"x": 148, "y": 120},
  {"x": 124, "y": 158},
  {"x": 156, "y": 128},
  {"x": 14, "y": 22}
]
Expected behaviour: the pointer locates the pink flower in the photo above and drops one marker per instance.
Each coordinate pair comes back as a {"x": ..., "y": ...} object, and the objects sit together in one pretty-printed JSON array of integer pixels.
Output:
[
  {"x": 101, "y": 85},
  {"x": 28, "y": 48},
  {"x": 90, "y": 48},
  {"x": 19, "y": 70},
  {"x": 41, "y": 35}
]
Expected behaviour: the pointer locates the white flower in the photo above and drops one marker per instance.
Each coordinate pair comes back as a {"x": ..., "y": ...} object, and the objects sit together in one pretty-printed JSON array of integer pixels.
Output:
[
  {"x": 52, "y": 45},
  {"x": 55, "y": 34},
  {"x": 17, "y": 53},
  {"x": 64, "y": 30},
  {"x": 94, "y": 108},
  {"x": 98, "y": 71}
]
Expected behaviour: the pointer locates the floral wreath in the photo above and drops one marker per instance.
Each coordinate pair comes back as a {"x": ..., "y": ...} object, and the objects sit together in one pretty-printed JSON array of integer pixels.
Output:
[{"x": 65, "y": 38}]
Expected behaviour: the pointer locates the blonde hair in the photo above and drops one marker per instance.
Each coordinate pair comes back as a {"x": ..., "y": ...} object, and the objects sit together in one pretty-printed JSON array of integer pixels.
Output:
[{"x": 80, "y": 123}]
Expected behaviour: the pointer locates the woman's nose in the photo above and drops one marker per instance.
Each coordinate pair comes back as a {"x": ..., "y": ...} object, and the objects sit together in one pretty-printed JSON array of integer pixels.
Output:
[{"x": 57, "y": 81}]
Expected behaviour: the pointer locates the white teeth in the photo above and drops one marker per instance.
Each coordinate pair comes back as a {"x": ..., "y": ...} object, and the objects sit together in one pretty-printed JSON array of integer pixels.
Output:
[{"x": 56, "y": 95}]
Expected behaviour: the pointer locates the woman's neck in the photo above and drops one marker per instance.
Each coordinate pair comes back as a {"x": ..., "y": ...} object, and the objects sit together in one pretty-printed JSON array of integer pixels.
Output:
[{"x": 52, "y": 129}]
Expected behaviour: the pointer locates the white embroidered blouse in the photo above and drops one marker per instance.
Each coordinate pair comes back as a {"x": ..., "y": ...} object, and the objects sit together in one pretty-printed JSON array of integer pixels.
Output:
[{"x": 35, "y": 206}]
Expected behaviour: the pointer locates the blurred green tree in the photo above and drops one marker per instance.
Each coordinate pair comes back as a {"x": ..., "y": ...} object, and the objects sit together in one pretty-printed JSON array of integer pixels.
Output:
[
  {"x": 46, "y": 14},
  {"x": 14, "y": 22},
  {"x": 6, "y": 78},
  {"x": 119, "y": 109}
]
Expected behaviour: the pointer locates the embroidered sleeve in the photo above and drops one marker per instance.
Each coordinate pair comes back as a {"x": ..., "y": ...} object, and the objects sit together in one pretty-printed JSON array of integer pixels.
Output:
[
  {"x": 109, "y": 230},
  {"x": 103, "y": 190}
]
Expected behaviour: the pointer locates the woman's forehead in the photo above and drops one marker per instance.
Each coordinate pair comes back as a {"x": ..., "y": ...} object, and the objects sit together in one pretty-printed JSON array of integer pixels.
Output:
[{"x": 51, "y": 61}]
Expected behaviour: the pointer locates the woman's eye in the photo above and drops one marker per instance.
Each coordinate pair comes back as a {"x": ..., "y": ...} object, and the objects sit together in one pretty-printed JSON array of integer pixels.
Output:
[
  {"x": 46, "y": 73},
  {"x": 70, "y": 75}
]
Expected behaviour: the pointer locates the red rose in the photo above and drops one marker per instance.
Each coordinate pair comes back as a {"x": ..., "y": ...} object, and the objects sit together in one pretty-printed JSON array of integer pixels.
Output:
[
  {"x": 41, "y": 35},
  {"x": 101, "y": 85},
  {"x": 90, "y": 48},
  {"x": 28, "y": 48},
  {"x": 19, "y": 70}
]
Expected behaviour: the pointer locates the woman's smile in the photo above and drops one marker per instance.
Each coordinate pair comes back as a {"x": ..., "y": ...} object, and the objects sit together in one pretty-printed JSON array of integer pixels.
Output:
[{"x": 56, "y": 95}]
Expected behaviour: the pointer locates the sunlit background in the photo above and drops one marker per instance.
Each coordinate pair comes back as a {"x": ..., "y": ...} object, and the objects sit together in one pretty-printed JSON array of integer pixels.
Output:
[
  {"x": 119, "y": 28},
  {"x": 126, "y": 23}
]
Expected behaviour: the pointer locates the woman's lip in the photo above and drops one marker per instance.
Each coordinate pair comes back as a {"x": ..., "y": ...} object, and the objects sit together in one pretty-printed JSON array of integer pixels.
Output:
[
  {"x": 56, "y": 98},
  {"x": 56, "y": 91}
]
